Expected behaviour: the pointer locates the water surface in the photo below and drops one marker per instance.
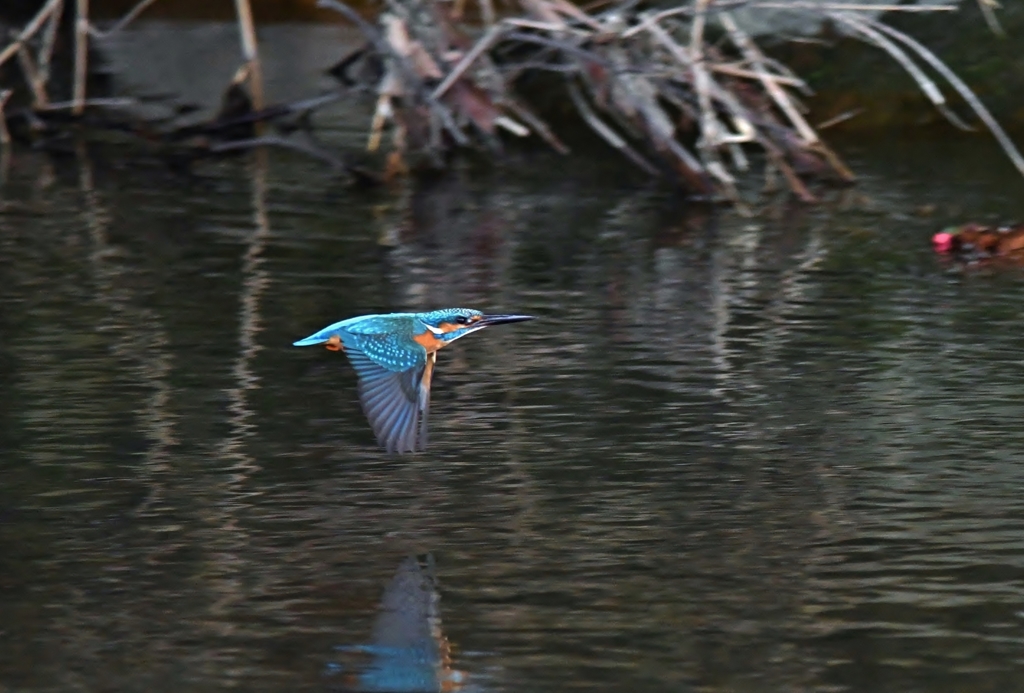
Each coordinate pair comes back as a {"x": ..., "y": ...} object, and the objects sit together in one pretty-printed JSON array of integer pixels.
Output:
[{"x": 733, "y": 454}]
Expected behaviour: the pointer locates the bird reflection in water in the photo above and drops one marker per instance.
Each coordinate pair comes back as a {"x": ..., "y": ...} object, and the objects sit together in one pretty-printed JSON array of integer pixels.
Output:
[{"x": 409, "y": 653}]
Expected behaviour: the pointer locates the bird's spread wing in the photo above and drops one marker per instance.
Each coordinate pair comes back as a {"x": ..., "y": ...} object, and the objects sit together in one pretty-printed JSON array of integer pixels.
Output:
[{"x": 394, "y": 400}]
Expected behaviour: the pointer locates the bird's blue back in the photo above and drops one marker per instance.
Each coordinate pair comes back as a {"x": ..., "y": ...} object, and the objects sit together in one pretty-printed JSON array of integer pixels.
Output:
[{"x": 387, "y": 339}]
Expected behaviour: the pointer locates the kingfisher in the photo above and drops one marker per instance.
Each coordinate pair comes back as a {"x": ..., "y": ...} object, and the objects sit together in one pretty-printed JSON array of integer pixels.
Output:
[{"x": 393, "y": 355}]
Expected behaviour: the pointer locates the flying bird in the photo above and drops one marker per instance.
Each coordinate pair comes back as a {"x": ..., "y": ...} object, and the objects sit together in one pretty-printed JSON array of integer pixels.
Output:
[{"x": 393, "y": 356}]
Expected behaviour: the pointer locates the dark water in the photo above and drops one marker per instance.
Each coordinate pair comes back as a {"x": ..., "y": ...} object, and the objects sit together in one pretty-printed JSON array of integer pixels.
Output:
[{"x": 769, "y": 454}]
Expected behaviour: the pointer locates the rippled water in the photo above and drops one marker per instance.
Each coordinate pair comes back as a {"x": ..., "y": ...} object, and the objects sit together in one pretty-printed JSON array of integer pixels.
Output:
[{"x": 769, "y": 454}]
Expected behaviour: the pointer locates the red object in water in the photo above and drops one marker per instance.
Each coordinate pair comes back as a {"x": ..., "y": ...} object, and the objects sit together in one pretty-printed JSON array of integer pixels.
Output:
[
  {"x": 943, "y": 241},
  {"x": 977, "y": 242}
]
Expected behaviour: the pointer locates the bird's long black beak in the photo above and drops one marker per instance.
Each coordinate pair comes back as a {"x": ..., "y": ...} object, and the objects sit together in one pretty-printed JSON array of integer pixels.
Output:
[{"x": 489, "y": 320}]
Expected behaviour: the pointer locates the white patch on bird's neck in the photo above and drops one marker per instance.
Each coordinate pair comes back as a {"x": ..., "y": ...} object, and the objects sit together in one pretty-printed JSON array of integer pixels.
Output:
[
  {"x": 462, "y": 332},
  {"x": 435, "y": 330}
]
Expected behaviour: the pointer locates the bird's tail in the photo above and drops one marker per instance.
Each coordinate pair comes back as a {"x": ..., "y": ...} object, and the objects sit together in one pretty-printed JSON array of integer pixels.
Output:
[
  {"x": 311, "y": 340},
  {"x": 330, "y": 335}
]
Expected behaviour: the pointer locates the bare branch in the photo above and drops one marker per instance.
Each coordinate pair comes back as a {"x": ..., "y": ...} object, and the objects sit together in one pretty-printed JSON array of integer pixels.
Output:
[
  {"x": 923, "y": 81},
  {"x": 32, "y": 78},
  {"x": 132, "y": 15},
  {"x": 30, "y": 29},
  {"x": 49, "y": 40},
  {"x": 408, "y": 73},
  {"x": 81, "y": 54},
  {"x": 492, "y": 35},
  {"x": 606, "y": 133},
  {"x": 851, "y": 7},
  {"x": 965, "y": 92},
  {"x": 988, "y": 11},
  {"x": 275, "y": 141},
  {"x": 5, "y": 136}
]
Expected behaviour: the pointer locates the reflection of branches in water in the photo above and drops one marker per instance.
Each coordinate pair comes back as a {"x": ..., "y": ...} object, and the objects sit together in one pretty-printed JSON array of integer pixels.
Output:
[
  {"x": 743, "y": 274},
  {"x": 78, "y": 628},
  {"x": 699, "y": 305},
  {"x": 139, "y": 337},
  {"x": 722, "y": 358},
  {"x": 444, "y": 248},
  {"x": 230, "y": 539},
  {"x": 794, "y": 290},
  {"x": 255, "y": 281}
]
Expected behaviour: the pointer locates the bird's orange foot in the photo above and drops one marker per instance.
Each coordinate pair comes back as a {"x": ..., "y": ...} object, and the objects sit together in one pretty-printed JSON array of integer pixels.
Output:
[{"x": 334, "y": 344}]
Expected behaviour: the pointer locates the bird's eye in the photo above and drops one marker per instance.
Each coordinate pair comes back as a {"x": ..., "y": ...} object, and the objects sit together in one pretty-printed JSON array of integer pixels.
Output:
[{"x": 461, "y": 319}]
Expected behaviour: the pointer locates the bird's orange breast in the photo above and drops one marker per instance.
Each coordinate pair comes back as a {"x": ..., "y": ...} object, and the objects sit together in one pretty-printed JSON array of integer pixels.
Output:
[{"x": 429, "y": 341}]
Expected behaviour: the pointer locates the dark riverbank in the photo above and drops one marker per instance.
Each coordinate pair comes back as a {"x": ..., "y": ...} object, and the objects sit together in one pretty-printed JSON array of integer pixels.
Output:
[{"x": 846, "y": 74}]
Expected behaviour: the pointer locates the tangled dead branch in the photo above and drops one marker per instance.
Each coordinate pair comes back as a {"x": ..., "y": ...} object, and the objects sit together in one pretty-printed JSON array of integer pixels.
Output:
[{"x": 682, "y": 92}]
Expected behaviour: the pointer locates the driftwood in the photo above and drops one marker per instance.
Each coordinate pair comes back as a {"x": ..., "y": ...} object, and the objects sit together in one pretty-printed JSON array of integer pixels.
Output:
[{"x": 682, "y": 93}]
